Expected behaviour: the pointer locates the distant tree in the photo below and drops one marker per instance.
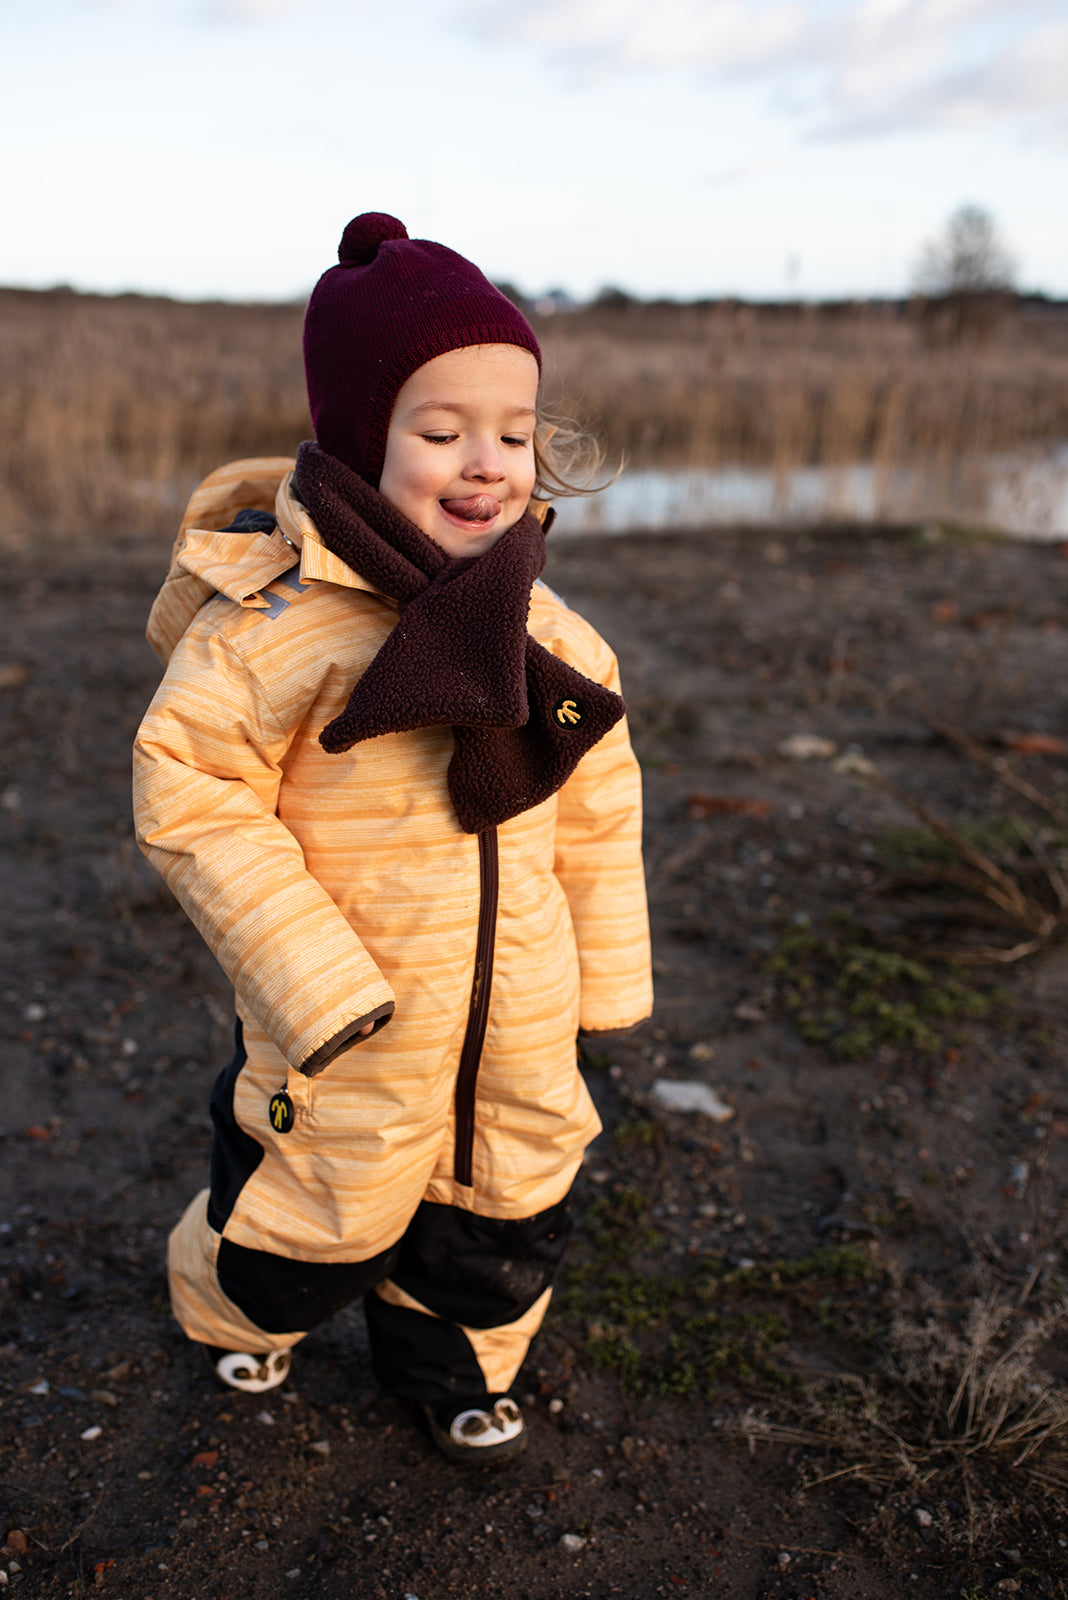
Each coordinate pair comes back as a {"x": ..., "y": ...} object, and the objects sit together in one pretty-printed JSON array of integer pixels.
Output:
[
  {"x": 967, "y": 257},
  {"x": 611, "y": 298},
  {"x": 513, "y": 294}
]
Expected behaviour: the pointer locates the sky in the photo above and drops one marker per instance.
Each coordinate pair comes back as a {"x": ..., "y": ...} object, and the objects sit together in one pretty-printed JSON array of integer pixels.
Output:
[{"x": 686, "y": 148}]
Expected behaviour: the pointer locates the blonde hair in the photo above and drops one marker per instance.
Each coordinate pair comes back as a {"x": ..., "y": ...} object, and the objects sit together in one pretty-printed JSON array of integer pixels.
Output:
[{"x": 567, "y": 459}]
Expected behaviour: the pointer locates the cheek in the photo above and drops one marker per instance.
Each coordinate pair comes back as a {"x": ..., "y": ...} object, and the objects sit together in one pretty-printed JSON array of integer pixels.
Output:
[{"x": 406, "y": 477}]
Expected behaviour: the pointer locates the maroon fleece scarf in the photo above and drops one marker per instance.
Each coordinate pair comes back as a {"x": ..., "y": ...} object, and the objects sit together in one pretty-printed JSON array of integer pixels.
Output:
[{"x": 460, "y": 655}]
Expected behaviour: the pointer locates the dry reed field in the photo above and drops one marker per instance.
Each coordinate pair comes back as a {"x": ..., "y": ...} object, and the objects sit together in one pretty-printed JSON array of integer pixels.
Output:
[{"x": 112, "y": 408}]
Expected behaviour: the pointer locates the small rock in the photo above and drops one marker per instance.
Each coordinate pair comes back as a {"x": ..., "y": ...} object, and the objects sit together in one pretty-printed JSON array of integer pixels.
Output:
[
  {"x": 701, "y": 1051},
  {"x": 294, "y": 1572},
  {"x": 683, "y": 1096},
  {"x": 34, "y": 1012},
  {"x": 17, "y": 1541},
  {"x": 262, "y": 1544},
  {"x": 847, "y": 1227},
  {"x": 321, "y": 1447},
  {"x": 784, "y": 1559},
  {"x": 555, "y": 1407},
  {"x": 807, "y": 747},
  {"x": 572, "y": 1543},
  {"x": 750, "y": 1011},
  {"x": 924, "y": 1518},
  {"x": 104, "y": 1397},
  {"x": 853, "y": 763},
  {"x": 93, "y": 1433},
  {"x": 42, "y": 1386},
  {"x": 266, "y": 1418}
]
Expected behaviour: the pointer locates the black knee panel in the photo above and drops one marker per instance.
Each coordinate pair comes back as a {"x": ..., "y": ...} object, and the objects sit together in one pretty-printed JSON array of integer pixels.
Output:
[
  {"x": 284, "y": 1296},
  {"x": 480, "y": 1271}
]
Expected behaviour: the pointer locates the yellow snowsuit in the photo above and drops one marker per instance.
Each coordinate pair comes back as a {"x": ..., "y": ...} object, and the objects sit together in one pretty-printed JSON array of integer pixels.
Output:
[{"x": 429, "y": 1162}]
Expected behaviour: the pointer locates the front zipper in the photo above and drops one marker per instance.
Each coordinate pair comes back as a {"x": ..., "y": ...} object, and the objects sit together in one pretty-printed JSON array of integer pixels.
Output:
[{"x": 478, "y": 1010}]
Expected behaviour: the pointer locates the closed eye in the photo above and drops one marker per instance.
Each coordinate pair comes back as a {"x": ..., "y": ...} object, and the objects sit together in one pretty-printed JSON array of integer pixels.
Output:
[{"x": 439, "y": 438}]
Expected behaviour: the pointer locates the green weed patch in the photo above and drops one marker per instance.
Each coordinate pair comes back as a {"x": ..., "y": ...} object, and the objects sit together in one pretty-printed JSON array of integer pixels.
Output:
[
  {"x": 842, "y": 990},
  {"x": 694, "y": 1330}
]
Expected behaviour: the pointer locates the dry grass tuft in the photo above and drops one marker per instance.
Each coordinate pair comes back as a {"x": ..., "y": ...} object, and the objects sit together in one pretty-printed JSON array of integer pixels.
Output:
[
  {"x": 974, "y": 1390},
  {"x": 1010, "y": 877},
  {"x": 958, "y": 1415}
]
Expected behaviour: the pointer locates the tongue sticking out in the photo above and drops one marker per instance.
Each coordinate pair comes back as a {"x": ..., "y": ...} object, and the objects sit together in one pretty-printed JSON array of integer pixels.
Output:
[{"x": 476, "y": 508}]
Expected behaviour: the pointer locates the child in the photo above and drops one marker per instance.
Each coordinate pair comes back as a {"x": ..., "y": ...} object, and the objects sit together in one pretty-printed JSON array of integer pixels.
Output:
[{"x": 387, "y": 776}]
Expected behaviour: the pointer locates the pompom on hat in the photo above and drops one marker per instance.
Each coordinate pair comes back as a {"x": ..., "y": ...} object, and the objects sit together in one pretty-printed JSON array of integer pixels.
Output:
[{"x": 389, "y": 306}]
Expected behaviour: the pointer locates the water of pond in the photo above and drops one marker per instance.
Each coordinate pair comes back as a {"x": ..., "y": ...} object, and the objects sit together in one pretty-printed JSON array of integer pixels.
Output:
[{"x": 1024, "y": 496}]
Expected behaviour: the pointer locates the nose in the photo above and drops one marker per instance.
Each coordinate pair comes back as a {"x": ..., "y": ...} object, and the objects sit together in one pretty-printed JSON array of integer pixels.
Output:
[{"x": 485, "y": 463}]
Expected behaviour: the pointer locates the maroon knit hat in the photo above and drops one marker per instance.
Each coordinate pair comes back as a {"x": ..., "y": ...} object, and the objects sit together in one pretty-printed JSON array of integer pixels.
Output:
[{"x": 392, "y": 305}]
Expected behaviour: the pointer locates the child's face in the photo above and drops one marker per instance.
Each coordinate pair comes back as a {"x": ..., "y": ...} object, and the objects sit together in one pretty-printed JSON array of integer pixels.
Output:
[{"x": 460, "y": 449}]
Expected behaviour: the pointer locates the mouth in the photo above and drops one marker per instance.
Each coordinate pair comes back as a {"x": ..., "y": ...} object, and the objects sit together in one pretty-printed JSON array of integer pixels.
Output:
[{"x": 477, "y": 511}]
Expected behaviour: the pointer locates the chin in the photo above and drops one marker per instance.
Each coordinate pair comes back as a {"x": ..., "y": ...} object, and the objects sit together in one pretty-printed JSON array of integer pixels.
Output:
[
  {"x": 463, "y": 542},
  {"x": 459, "y": 544}
]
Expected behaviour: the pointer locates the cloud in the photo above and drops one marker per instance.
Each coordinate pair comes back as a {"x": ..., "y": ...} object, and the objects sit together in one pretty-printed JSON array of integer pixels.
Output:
[
  {"x": 951, "y": 63},
  {"x": 737, "y": 172},
  {"x": 257, "y": 10},
  {"x": 843, "y": 67},
  {"x": 169, "y": 10}
]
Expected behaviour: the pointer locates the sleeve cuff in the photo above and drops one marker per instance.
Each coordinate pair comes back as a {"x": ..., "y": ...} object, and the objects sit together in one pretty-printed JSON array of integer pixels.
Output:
[
  {"x": 596, "y": 1035},
  {"x": 349, "y": 1036}
]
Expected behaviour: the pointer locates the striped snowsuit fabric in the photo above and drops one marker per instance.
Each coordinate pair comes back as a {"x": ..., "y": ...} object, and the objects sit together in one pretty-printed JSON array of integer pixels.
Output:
[{"x": 423, "y": 1167}]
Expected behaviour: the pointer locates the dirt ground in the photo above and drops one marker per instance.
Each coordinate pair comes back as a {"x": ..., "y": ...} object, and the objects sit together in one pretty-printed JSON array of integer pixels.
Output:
[{"x": 803, "y": 1352}]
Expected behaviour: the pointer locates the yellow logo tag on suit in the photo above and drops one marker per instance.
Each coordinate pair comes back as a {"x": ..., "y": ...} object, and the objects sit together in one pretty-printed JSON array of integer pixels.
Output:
[
  {"x": 569, "y": 713},
  {"x": 281, "y": 1112}
]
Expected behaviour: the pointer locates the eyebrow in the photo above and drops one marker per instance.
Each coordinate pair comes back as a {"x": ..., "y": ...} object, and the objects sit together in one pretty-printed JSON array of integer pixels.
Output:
[{"x": 462, "y": 410}]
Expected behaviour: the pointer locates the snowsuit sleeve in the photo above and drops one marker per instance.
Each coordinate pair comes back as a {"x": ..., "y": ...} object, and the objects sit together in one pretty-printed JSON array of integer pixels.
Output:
[
  {"x": 207, "y": 769},
  {"x": 598, "y": 863}
]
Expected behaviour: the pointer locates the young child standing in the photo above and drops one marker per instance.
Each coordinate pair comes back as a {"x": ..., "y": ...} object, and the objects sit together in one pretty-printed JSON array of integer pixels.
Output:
[{"x": 388, "y": 777}]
